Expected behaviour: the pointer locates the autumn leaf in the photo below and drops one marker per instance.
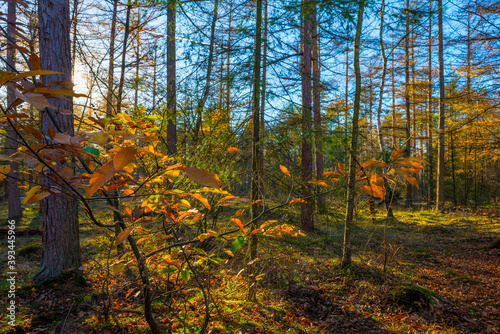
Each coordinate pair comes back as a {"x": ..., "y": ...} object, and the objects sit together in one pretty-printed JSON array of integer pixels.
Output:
[
  {"x": 318, "y": 182},
  {"x": 123, "y": 235},
  {"x": 285, "y": 171},
  {"x": 202, "y": 199},
  {"x": 34, "y": 62},
  {"x": 330, "y": 174},
  {"x": 4, "y": 170},
  {"x": 30, "y": 193},
  {"x": 240, "y": 225},
  {"x": 373, "y": 163},
  {"x": 203, "y": 177},
  {"x": 374, "y": 191},
  {"x": 36, "y": 100},
  {"x": 100, "y": 177},
  {"x": 37, "y": 197},
  {"x": 396, "y": 153},
  {"x": 296, "y": 200},
  {"x": 123, "y": 157},
  {"x": 34, "y": 132},
  {"x": 33, "y": 73},
  {"x": 233, "y": 150},
  {"x": 341, "y": 168},
  {"x": 5, "y": 76}
]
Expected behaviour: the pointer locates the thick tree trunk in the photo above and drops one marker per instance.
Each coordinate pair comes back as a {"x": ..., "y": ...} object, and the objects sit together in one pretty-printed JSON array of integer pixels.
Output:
[
  {"x": 408, "y": 192},
  {"x": 12, "y": 180},
  {"x": 171, "y": 80},
  {"x": 60, "y": 238},
  {"x": 351, "y": 188},
  {"x": 307, "y": 221},
  {"x": 440, "y": 167},
  {"x": 321, "y": 205},
  {"x": 255, "y": 151}
]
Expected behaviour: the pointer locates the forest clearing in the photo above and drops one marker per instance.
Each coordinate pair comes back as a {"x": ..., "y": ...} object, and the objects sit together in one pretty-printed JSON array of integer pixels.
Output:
[{"x": 249, "y": 166}]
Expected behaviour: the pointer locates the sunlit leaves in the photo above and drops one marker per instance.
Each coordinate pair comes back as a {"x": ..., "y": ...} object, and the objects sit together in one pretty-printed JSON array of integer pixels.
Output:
[
  {"x": 233, "y": 150},
  {"x": 203, "y": 177},
  {"x": 237, "y": 243},
  {"x": 296, "y": 200},
  {"x": 100, "y": 177},
  {"x": 123, "y": 235},
  {"x": 284, "y": 170},
  {"x": 239, "y": 224},
  {"x": 123, "y": 157},
  {"x": 33, "y": 196},
  {"x": 4, "y": 170}
]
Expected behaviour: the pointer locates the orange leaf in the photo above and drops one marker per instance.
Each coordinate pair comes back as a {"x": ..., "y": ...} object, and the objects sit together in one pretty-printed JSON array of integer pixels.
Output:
[
  {"x": 99, "y": 178},
  {"x": 330, "y": 173},
  {"x": 341, "y": 168},
  {"x": 239, "y": 212},
  {"x": 203, "y": 177},
  {"x": 396, "y": 153},
  {"x": 240, "y": 225},
  {"x": 233, "y": 150},
  {"x": 123, "y": 157},
  {"x": 255, "y": 231},
  {"x": 128, "y": 192},
  {"x": 123, "y": 235},
  {"x": 373, "y": 163},
  {"x": 202, "y": 199},
  {"x": 296, "y": 200},
  {"x": 285, "y": 171},
  {"x": 318, "y": 182},
  {"x": 374, "y": 191},
  {"x": 127, "y": 211}
]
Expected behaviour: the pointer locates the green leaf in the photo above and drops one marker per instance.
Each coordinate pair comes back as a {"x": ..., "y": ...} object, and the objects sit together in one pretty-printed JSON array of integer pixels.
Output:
[
  {"x": 185, "y": 273},
  {"x": 168, "y": 270},
  {"x": 237, "y": 243},
  {"x": 92, "y": 150}
]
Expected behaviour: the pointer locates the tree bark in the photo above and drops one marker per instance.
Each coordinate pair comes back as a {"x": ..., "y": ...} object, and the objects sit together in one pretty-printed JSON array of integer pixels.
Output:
[
  {"x": 111, "y": 65},
  {"x": 124, "y": 58},
  {"x": 254, "y": 189},
  {"x": 351, "y": 188},
  {"x": 206, "y": 90},
  {"x": 408, "y": 192},
  {"x": 440, "y": 167},
  {"x": 430, "y": 113},
  {"x": 307, "y": 221},
  {"x": 171, "y": 79},
  {"x": 60, "y": 238},
  {"x": 12, "y": 180},
  {"x": 318, "y": 130}
]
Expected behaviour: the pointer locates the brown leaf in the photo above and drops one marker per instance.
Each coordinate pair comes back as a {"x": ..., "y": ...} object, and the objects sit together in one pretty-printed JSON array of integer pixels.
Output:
[
  {"x": 203, "y": 177},
  {"x": 36, "y": 100},
  {"x": 123, "y": 235},
  {"x": 100, "y": 177},
  {"x": 34, "y": 132},
  {"x": 34, "y": 62},
  {"x": 123, "y": 157}
]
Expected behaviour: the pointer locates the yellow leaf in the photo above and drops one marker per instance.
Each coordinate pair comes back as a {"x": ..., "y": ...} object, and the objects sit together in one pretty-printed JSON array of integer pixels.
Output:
[
  {"x": 203, "y": 177},
  {"x": 33, "y": 73},
  {"x": 30, "y": 193},
  {"x": 318, "y": 182},
  {"x": 4, "y": 170},
  {"x": 5, "y": 76},
  {"x": 284, "y": 170},
  {"x": 123, "y": 157},
  {"x": 123, "y": 235},
  {"x": 228, "y": 252}
]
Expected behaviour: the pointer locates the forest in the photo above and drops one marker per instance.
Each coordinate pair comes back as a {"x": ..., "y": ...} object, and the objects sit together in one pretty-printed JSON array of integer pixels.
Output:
[{"x": 249, "y": 166}]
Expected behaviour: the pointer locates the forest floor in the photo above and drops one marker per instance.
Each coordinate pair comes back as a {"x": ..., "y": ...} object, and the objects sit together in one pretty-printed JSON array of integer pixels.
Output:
[{"x": 424, "y": 272}]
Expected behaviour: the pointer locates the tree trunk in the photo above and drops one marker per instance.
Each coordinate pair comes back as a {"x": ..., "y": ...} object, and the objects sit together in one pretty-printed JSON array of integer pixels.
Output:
[
  {"x": 408, "y": 192},
  {"x": 254, "y": 189},
  {"x": 307, "y": 221},
  {"x": 263, "y": 100},
  {"x": 430, "y": 113},
  {"x": 12, "y": 180},
  {"x": 317, "y": 108},
  {"x": 351, "y": 188},
  {"x": 206, "y": 90},
  {"x": 440, "y": 170},
  {"x": 111, "y": 65},
  {"x": 171, "y": 79},
  {"x": 124, "y": 58},
  {"x": 60, "y": 238}
]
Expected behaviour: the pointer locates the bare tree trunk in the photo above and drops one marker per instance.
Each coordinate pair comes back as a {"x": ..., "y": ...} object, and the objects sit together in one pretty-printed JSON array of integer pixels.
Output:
[
  {"x": 137, "y": 68},
  {"x": 351, "y": 188},
  {"x": 440, "y": 170},
  {"x": 206, "y": 91},
  {"x": 12, "y": 180},
  {"x": 408, "y": 192},
  {"x": 307, "y": 221},
  {"x": 430, "y": 126},
  {"x": 263, "y": 100},
  {"x": 393, "y": 102},
  {"x": 318, "y": 130},
  {"x": 255, "y": 151},
  {"x": 124, "y": 57},
  {"x": 111, "y": 65},
  {"x": 60, "y": 233},
  {"x": 171, "y": 79}
]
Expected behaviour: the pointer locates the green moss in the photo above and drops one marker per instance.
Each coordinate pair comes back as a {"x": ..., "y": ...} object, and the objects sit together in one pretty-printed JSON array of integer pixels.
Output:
[
  {"x": 29, "y": 250},
  {"x": 409, "y": 296}
]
